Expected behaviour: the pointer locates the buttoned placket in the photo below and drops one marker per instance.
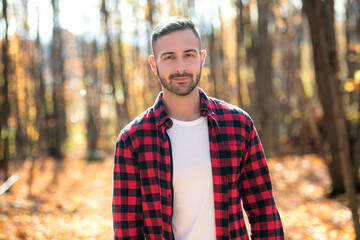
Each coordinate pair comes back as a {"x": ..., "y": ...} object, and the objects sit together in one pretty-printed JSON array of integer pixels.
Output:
[
  {"x": 214, "y": 131},
  {"x": 169, "y": 170}
]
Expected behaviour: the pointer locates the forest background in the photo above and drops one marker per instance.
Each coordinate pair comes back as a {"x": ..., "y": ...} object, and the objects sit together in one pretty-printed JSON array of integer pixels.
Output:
[{"x": 74, "y": 73}]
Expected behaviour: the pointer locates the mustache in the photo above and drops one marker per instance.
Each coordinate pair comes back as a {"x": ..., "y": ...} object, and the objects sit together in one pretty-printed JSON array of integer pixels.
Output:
[{"x": 175, "y": 75}]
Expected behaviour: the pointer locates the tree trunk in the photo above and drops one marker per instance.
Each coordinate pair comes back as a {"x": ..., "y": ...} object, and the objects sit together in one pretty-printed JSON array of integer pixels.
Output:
[
  {"x": 328, "y": 96},
  {"x": 20, "y": 134},
  {"x": 40, "y": 90},
  {"x": 110, "y": 69},
  {"x": 57, "y": 126},
  {"x": 5, "y": 105},
  {"x": 309, "y": 110},
  {"x": 123, "y": 77},
  {"x": 224, "y": 89},
  {"x": 153, "y": 84},
  {"x": 137, "y": 65},
  {"x": 328, "y": 88},
  {"x": 29, "y": 57},
  {"x": 92, "y": 98},
  {"x": 239, "y": 44},
  {"x": 263, "y": 79},
  {"x": 96, "y": 100},
  {"x": 352, "y": 38},
  {"x": 213, "y": 65}
]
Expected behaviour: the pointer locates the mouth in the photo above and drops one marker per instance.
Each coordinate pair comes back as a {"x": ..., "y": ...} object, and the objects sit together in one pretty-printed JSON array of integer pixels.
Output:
[{"x": 181, "y": 79}]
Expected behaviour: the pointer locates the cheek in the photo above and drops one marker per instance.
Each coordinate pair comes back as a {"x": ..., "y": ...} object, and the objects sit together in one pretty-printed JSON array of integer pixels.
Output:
[
  {"x": 165, "y": 68},
  {"x": 195, "y": 65},
  {"x": 163, "y": 71}
]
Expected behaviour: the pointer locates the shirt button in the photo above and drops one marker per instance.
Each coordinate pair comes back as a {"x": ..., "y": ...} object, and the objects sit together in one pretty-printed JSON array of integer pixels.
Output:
[
  {"x": 168, "y": 166},
  {"x": 169, "y": 195}
]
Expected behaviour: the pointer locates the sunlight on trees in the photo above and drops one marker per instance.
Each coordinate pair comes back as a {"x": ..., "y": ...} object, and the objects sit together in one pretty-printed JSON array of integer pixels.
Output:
[{"x": 69, "y": 84}]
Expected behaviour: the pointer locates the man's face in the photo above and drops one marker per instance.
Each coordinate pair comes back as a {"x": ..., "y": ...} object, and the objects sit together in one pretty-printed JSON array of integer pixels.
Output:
[{"x": 177, "y": 61}]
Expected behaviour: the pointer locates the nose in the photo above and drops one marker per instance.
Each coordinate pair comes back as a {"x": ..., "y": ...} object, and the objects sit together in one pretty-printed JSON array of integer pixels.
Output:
[{"x": 180, "y": 66}]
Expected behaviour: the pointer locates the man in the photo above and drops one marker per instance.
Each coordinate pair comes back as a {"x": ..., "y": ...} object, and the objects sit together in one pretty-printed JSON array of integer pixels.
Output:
[{"x": 185, "y": 166}]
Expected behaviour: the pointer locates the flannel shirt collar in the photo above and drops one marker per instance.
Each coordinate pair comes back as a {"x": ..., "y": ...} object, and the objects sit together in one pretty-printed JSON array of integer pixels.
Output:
[{"x": 162, "y": 117}]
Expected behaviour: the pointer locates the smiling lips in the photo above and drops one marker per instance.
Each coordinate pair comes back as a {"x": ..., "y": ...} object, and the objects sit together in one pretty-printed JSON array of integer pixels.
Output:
[{"x": 181, "y": 77}]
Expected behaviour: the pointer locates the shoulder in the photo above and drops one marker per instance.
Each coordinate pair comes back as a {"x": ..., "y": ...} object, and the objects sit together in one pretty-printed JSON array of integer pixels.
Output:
[
  {"x": 233, "y": 121},
  {"x": 133, "y": 130},
  {"x": 225, "y": 111}
]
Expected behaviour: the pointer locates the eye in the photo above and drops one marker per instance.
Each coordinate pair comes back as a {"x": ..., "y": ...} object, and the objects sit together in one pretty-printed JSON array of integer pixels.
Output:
[
  {"x": 169, "y": 57},
  {"x": 189, "y": 55}
]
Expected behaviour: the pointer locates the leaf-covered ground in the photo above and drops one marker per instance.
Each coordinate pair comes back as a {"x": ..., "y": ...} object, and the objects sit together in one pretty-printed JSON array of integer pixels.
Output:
[{"x": 79, "y": 205}]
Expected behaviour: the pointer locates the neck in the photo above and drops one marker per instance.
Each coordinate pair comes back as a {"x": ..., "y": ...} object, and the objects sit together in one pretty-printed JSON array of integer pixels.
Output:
[{"x": 184, "y": 108}]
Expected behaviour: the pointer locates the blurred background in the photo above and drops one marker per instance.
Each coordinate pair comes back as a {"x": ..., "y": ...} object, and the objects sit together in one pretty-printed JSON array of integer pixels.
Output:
[{"x": 73, "y": 73}]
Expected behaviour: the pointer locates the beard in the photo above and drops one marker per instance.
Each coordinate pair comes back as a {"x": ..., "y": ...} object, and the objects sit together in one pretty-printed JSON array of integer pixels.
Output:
[{"x": 179, "y": 89}]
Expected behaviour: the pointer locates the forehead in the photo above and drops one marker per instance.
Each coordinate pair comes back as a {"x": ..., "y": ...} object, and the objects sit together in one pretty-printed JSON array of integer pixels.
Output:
[{"x": 177, "y": 41}]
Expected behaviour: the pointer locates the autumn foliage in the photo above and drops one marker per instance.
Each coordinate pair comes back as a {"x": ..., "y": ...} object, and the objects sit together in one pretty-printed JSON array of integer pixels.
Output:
[
  {"x": 64, "y": 100},
  {"x": 79, "y": 205}
]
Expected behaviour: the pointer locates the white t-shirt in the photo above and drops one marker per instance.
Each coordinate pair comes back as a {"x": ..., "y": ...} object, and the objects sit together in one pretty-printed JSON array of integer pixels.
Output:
[{"x": 193, "y": 210}]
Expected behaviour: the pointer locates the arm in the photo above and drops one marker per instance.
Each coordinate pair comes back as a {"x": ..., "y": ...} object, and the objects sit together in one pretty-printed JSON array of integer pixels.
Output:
[
  {"x": 126, "y": 206},
  {"x": 256, "y": 191}
]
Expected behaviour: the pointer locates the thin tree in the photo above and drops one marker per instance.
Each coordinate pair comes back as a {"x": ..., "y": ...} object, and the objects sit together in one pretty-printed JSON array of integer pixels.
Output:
[
  {"x": 309, "y": 113},
  {"x": 38, "y": 75},
  {"x": 223, "y": 59},
  {"x": 356, "y": 155},
  {"x": 137, "y": 64},
  {"x": 110, "y": 61},
  {"x": 122, "y": 73},
  {"x": 153, "y": 84},
  {"x": 352, "y": 32},
  {"x": 5, "y": 105},
  {"x": 262, "y": 50},
  {"x": 239, "y": 43},
  {"x": 30, "y": 82},
  {"x": 307, "y": 104},
  {"x": 57, "y": 133},
  {"x": 57, "y": 122},
  {"x": 327, "y": 102},
  {"x": 40, "y": 125},
  {"x": 92, "y": 98},
  {"x": 213, "y": 63}
]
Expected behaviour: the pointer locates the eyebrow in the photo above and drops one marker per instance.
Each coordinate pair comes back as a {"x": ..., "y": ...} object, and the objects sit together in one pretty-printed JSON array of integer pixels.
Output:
[
  {"x": 166, "y": 53},
  {"x": 191, "y": 50},
  {"x": 186, "y": 51}
]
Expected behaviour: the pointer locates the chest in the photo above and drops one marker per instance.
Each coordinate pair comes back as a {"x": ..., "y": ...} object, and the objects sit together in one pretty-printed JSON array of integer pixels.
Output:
[{"x": 189, "y": 152}]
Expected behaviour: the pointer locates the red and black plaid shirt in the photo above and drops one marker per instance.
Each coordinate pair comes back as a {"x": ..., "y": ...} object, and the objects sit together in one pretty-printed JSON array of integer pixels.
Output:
[{"x": 143, "y": 192}]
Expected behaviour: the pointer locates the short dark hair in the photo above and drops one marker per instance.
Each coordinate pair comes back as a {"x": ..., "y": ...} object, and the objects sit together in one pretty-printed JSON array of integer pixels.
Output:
[{"x": 170, "y": 25}]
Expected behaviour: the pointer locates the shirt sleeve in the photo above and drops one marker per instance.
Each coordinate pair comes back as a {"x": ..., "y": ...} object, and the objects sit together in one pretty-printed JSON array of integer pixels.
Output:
[
  {"x": 126, "y": 206},
  {"x": 256, "y": 191}
]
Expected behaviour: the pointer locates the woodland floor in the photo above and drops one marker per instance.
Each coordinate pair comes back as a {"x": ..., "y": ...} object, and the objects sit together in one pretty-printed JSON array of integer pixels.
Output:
[{"x": 79, "y": 205}]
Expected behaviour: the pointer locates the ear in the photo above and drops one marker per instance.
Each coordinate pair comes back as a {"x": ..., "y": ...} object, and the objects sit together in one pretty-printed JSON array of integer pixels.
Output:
[
  {"x": 203, "y": 57},
  {"x": 152, "y": 62}
]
